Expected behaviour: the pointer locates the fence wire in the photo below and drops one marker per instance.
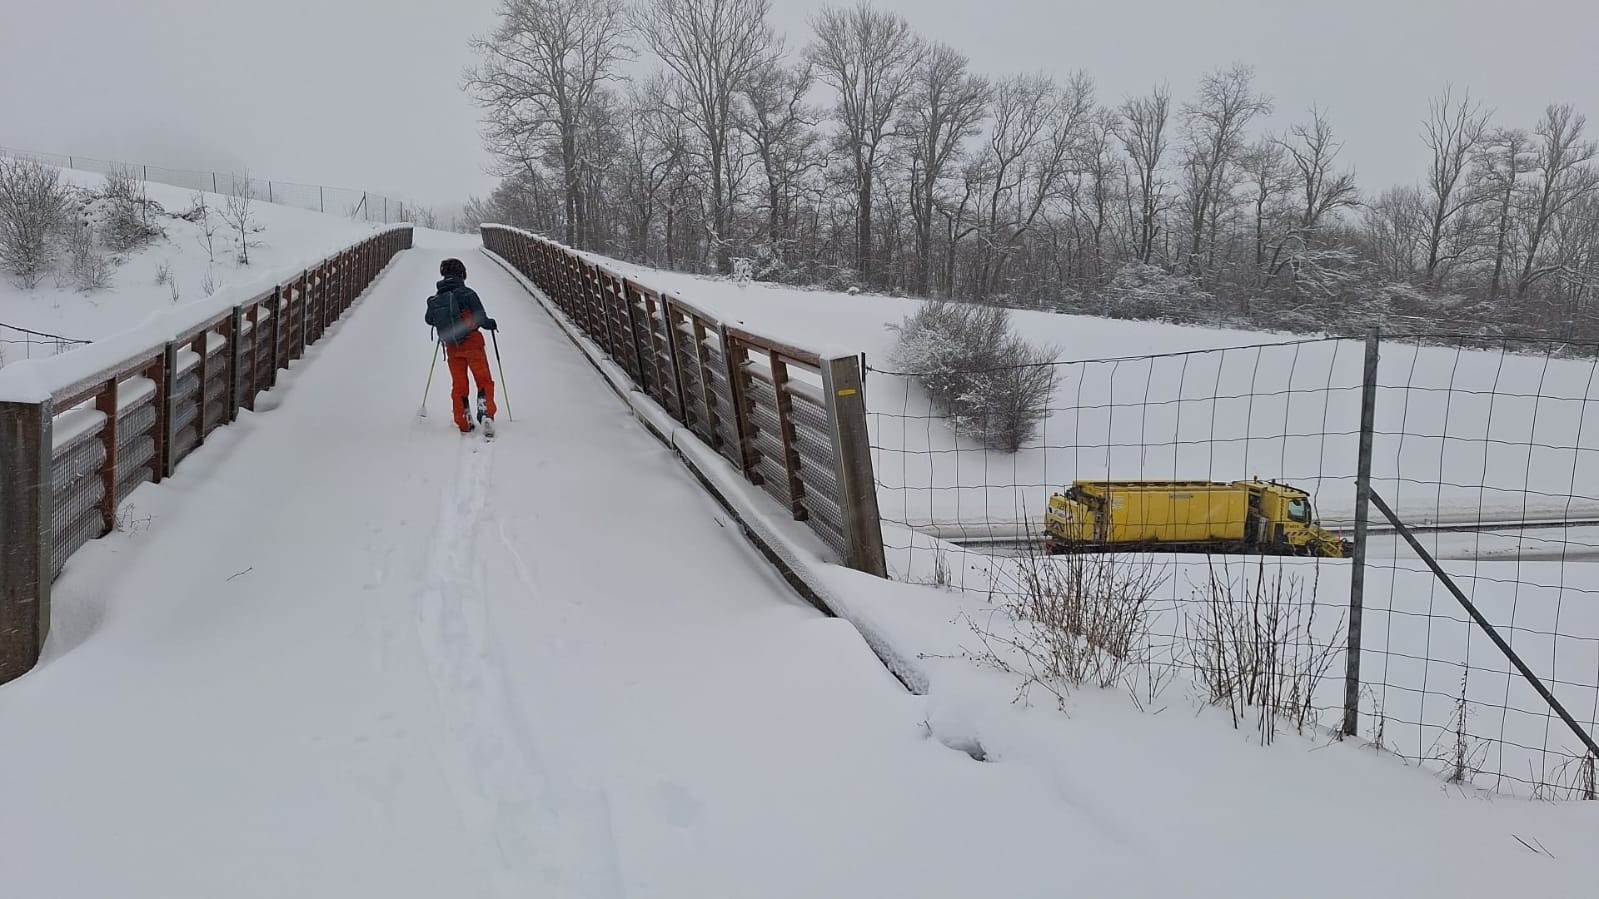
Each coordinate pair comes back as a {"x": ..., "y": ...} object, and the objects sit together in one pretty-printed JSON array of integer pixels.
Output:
[
  {"x": 17, "y": 344},
  {"x": 349, "y": 202},
  {"x": 1488, "y": 451}
]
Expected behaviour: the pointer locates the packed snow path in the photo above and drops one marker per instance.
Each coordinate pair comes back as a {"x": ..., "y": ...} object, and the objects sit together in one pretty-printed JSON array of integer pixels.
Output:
[{"x": 349, "y": 652}]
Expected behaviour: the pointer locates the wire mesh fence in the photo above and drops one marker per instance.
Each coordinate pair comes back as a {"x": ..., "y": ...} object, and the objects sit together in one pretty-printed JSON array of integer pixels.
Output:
[
  {"x": 350, "y": 202},
  {"x": 1226, "y": 483}
]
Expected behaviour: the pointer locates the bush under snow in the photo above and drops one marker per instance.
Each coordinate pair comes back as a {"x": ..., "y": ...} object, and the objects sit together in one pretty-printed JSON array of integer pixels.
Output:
[
  {"x": 32, "y": 203},
  {"x": 989, "y": 382}
]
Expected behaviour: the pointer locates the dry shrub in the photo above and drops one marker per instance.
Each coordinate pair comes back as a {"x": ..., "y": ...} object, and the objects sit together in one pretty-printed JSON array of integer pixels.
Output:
[
  {"x": 88, "y": 269},
  {"x": 1077, "y": 620},
  {"x": 1463, "y": 755},
  {"x": 1254, "y": 649},
  {"x": 128, "y": 223},
  {"x": 32, "y": 205}
]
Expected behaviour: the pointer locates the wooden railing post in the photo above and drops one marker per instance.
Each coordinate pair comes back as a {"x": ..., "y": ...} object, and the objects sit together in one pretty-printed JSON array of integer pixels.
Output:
[
  {"x": 107, "y": 403},
  {"x": 733, "y": 358},
  {"x": 169, "y": 411},
  {"x": 254, "y": 319},
  {"x": 787, "y": 436},
  {"x": 161, "y": 433},
  {"x": 26, "y": 534},
  {"x": 669, "y": 329},
  {"x": 842, "y": 391},
  {"x": 236, "y": 363},
  {"x": 277, "y": 337},
  {"x": 202, "y": 396}
]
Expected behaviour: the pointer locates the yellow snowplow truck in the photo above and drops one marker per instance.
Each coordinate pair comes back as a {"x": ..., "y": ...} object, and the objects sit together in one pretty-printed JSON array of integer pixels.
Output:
[{"x": 1188, "y": 516}]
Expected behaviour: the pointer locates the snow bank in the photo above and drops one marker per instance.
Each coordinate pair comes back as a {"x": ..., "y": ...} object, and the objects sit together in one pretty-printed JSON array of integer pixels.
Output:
[
  {"x": 33, "y": 380},
  {"x": 291, "y": 240}
]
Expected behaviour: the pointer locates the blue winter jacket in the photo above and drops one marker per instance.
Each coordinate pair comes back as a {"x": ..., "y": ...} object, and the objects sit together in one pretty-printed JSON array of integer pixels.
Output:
[{"x": 472, "y": 314}]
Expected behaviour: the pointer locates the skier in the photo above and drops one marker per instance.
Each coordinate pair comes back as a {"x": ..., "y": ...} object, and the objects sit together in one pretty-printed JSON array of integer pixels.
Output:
[{"x": 456, "y": 313}]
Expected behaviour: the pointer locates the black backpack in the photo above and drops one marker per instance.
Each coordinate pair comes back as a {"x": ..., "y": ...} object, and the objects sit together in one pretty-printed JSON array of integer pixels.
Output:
[{"x": 444, "y": 314}]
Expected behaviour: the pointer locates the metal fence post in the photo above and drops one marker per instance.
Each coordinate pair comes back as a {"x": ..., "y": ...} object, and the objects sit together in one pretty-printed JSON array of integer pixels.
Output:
[
  {"x": 26, "y": 534},
  {"x": 842, "y": 391},
  {"x": 1357, "y": 573}
]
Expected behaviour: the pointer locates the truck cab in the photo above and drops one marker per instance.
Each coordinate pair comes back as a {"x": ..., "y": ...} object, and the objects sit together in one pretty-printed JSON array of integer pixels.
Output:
[{"x": 1290, "y": 520}]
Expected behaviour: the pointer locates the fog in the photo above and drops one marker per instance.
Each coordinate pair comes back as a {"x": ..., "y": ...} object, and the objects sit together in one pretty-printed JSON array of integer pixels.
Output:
[{"x": 367, "y": 93}]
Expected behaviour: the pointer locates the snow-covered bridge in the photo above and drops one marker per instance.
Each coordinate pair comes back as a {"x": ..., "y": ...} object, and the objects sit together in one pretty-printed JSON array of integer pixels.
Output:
[{"x": 348, "y": 651}]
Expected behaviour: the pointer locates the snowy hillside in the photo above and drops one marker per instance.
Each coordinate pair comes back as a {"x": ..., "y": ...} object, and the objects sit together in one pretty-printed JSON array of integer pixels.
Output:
[{"x": 178, "y": 265}]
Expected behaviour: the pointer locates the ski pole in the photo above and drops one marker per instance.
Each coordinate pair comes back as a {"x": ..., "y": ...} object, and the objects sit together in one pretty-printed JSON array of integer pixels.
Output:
[
  {"x": 423, "y": 409},
  {"x": 495, "y": 334}
]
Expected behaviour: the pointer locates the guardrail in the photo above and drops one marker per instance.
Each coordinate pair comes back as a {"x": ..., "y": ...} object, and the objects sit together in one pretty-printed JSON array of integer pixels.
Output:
[
  {"x": 791, "y": 420},
  {"x": 78, "y": 435}
]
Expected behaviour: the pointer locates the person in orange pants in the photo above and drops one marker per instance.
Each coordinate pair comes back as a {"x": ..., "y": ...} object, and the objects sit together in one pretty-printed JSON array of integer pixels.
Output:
[{"x": 457, "y": 314}]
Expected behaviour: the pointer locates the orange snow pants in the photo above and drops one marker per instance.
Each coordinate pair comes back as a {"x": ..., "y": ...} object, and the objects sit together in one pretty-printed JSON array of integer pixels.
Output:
[{"x": 469, "y": 356}]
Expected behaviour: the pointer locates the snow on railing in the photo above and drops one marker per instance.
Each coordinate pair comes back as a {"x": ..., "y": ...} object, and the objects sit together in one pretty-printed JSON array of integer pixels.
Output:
[
  {"x": 81, "y": 430},
  {"x": 791, "y": 420}
]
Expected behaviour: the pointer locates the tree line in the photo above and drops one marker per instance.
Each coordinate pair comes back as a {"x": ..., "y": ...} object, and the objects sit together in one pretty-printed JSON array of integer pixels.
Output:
[{"x": 868, "y": 157}]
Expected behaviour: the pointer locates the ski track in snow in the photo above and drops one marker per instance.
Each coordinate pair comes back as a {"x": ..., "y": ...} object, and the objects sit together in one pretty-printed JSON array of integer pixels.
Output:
[{"x": 538, "y": 833}]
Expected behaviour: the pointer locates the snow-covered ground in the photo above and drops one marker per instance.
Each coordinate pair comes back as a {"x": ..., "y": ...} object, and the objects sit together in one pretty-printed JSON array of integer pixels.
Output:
[
  {"x": 289, "y": 240},
  {"x": 349, "y": 652},
  {"x": 1459, "y": 433}
]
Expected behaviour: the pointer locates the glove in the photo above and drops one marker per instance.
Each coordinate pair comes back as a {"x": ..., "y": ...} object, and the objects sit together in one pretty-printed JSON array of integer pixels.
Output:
[{"x": 490, "y": 324}]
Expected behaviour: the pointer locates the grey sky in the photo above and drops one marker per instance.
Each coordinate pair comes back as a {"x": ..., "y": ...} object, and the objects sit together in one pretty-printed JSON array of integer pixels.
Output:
[{"x": 216, "y": 83}]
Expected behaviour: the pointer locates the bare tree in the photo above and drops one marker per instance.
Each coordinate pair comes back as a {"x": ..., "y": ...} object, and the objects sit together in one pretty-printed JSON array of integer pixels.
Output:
[
  {"x": 714, "y": 48},
  {"x": 654, "y": 146},
  {"x": 1504, "y": 158},
  {"x": 1564, "y": 178},
  {"x": 945, "y": 106},
  {"x": 1452, "y": 133},
  {"x": 1265, "y": 171},
  {"x": 1215, "y": 124},
  {"x": 1099, "y": 165},
  {"x": 1037, "y": 126},
  {"x": 239, "y": 213},
  {"x": 866, "y": 55},
  {"x": 1144, "y": 135},
  {"x": 779, "y": 125},
  {"x": 1396, "y": 229},
  {"x": 539, "y": 71},
  {"x": 1314, "y": 153}
]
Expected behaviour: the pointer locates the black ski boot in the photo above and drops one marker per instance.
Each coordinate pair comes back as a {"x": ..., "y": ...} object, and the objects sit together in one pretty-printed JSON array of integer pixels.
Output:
[{"x": 484, "y": 416}]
